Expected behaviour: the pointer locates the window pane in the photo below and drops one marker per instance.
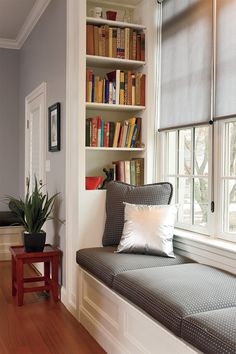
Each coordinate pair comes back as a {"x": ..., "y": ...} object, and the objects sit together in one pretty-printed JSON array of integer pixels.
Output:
[
  {"x": 185, "y": 152},
  {"x": 200, "y": 201},
  {"x": 201, "y": 151},
  {"x": 172, "y": 153},
  {"x": 184, "y": 200},
  {"x": 232, "y": 148},
  {"x": 230, "y": 206}
]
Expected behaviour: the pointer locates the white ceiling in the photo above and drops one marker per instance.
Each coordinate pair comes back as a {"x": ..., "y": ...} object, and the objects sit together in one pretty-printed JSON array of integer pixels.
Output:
[
  {"x": 17, "y": 19},
  {"x": 13, "y": 14}
]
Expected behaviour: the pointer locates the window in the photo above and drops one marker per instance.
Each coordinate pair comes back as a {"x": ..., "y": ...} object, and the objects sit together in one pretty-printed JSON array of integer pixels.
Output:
[
  {"x": 197, "y": 86},
  {"x": 186, "y": 168}
]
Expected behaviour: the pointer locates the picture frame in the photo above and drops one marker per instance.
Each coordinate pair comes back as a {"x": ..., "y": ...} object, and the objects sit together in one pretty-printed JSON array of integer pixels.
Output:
[{"x": 54, "y": 127}]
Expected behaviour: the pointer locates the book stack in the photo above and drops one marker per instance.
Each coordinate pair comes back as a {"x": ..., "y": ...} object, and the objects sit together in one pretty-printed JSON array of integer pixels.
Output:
[
  {"x": 129, "y": 171},
  {"x": 126, "y": 134},
  {"x": 113, "y": 42},
  {"x": 118, "y": 87}
]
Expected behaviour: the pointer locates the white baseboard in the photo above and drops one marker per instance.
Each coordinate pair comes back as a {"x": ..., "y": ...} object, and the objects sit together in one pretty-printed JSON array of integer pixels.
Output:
[
  {"x": 70, "y": 305},
  {"x": 119, "y": 326}
]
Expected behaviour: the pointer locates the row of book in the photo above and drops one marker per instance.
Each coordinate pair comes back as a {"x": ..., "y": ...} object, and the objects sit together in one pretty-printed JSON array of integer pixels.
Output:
[
  {"x": 129, "y": 171},
  {"x": 118, "y": 87},
  {"x": 100, "y": 133},
  {"x": 123, "y": 43}
]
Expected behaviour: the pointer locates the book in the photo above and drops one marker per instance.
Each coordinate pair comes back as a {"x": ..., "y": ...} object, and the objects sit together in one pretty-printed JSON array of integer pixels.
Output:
[
  {"x": 106, "y": 134},
  {"x": 127, "y": 171},
  {"x": 89, "y": 39},
  {"x": 96, "y": 39},
  {"x": 138, "y": 47},
  {"x": 88, "y": 132},
  {"x": 130, "y": 131},
  {"x": 142, "y": 54},
  {"x": 127, "y": 40},
  {"x": 110, "y": 42},
  {"x": 114, "y": 76},
  {"x": 120, "y": 170},
  {"x": 111, "y": 133},
  {"x": 125, "y": 129},
  {"x": 116, "y": 134},
  {"x": 137, "y": 141},
  {"x": 122, "y": 88},
  {"x": 132, "y": 173},
  {"x": 142, "y": 89},
  {"x": 114, "y": 42},
  {"x": 94, "y": 133}
]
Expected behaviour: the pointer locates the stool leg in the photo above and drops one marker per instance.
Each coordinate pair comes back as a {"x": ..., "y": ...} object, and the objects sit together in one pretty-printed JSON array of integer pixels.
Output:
[
  {"x": 19, "y": 281},
  {"x": 47, "y": 273},
  {"x": 55, "y": 277},
  {"x": 13, "y": 276}
]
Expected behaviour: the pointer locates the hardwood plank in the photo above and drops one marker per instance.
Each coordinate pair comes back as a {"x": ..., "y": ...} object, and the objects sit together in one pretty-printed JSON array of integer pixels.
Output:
[{"x": 40, "y": 326}]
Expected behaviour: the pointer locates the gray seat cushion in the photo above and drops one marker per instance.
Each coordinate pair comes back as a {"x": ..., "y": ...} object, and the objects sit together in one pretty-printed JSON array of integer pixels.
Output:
[
  {"x": 119, "y": 192},
  {"x": 170, "y": 293},
  {"x": 105, "y": 264},
  {"x": 212, "y": 332}
]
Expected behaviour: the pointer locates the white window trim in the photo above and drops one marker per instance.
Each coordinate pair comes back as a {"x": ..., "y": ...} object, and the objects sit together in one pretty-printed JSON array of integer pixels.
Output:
[{"x": 206, "y": 250}]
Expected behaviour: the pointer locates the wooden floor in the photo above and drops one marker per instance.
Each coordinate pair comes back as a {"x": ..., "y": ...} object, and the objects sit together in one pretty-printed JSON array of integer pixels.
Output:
[{"x": 40, "y": 326}]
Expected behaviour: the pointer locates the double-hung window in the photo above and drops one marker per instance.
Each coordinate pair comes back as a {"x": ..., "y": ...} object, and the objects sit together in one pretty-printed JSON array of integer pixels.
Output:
[
  {"x": 186, "y": 167},
  {"x": 198, "y": 87}
]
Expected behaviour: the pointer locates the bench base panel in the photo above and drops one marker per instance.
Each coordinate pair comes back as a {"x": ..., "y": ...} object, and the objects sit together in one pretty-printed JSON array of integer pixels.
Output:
[{"x": 119, "y": 326}]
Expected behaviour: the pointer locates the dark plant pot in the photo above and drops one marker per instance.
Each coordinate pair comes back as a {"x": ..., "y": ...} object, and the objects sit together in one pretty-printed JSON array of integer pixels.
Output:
[{"x": 34, "y": 242}]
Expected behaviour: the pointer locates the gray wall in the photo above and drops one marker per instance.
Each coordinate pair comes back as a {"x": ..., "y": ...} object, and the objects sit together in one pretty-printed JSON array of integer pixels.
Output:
[
  {"x": 9, "y": 144},
  {"x": 43, "y": 58}
]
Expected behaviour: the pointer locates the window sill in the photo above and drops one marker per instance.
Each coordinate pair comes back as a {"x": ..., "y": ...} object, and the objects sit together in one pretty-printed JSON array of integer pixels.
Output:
[{"x": 203, "y": 249}]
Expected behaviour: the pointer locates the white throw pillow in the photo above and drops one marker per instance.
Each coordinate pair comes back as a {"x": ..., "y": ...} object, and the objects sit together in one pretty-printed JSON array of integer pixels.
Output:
[{"x": 148, "y": 229}]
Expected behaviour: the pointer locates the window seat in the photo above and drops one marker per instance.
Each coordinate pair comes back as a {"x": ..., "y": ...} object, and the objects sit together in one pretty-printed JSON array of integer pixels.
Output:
[{"x": 150, "y": 306}]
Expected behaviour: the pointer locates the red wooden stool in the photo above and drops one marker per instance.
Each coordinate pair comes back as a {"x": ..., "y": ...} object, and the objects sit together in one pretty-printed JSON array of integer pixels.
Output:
[{"x": 20, "y": 257}]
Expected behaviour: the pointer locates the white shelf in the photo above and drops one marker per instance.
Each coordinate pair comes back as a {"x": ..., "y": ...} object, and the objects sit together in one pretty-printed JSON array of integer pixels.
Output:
[
  {"x": 113, "y": 149},
  {"x": 103, "y": 21},
  {"x": 113, "y": 107},
  {"x": 104, "y": 62}
]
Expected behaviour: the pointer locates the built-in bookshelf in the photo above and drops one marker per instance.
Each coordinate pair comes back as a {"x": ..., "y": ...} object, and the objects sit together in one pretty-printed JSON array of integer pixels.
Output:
[{"x": 115, "y": 100}]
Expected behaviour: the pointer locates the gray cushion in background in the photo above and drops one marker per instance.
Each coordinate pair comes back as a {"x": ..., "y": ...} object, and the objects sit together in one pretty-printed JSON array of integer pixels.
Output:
[
  {"x": 170, "y": 293},
  {"x": 119, "y": 192},
  {"x": 212, "y": 332},
  {"x": 105, "y": 264},
  {"x": 8, "y": 218}
]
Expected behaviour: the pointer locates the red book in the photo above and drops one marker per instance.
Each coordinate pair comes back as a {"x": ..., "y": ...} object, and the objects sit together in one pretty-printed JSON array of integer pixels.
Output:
[{"x": 106, "y": 135}]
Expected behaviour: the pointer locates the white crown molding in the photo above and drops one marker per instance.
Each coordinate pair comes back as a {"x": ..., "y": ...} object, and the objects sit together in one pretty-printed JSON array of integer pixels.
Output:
[
  {"x": 31, "y": 20},
  {"x": 8, "y": 43}
]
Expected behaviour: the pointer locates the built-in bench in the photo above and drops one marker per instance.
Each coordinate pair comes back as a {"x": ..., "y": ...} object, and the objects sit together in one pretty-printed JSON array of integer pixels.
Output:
[
  {"x": 143, "y": 303},
  {"x": 184, "y": 297}
]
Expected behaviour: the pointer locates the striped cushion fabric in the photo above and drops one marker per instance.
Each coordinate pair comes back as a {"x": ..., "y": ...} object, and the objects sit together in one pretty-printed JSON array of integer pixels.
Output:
[
  {"x": 212, "y": 332},
  {"x": 119, "y": 192},
  {"x": 170, "y": 293},
  {"x": 105, "y": 264}
]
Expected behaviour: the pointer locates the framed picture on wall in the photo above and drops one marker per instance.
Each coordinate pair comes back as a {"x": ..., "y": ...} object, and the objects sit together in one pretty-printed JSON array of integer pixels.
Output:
[{"x": 54, "y": 129}]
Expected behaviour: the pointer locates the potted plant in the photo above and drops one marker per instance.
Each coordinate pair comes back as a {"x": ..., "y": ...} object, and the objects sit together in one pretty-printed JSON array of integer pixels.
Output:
[{"x": 32, "y": 212}]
